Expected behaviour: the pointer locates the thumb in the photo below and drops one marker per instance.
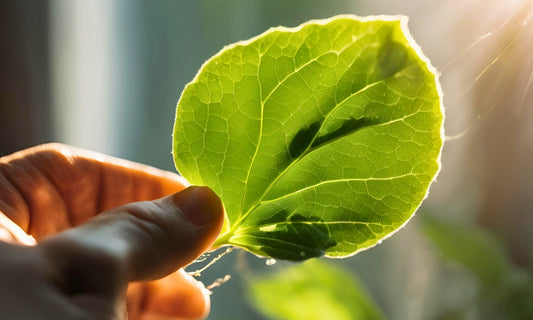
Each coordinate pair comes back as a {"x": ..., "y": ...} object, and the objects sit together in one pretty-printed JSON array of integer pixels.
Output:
[{"x": 139, "y": 241}]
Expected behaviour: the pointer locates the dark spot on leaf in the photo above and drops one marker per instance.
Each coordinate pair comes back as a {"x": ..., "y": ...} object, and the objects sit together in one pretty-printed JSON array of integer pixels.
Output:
[
  {"x": 391, "y": 59},
  {"x": 302, "y": 139},
  {"x": 296, "y": 240},
  {"x": 296, "y": 217},
  {"x": 349, "y": 126}
]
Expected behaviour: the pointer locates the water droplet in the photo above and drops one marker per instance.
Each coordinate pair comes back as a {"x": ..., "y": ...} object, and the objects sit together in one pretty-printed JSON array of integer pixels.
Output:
[
  {"x": 270, "y": 262},
  {"x": 380, "y": 241}
]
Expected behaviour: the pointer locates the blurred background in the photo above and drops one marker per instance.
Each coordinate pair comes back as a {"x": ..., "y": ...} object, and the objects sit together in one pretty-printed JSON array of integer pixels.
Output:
[{"x": 106, "y": 75}]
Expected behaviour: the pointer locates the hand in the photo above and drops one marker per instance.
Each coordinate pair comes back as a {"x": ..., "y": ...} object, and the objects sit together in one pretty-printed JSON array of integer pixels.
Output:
[{"x": 83, "y": 262}]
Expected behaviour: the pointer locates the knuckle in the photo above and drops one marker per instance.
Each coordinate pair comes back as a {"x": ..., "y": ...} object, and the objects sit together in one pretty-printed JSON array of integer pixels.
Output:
[{"x": 153, "y": 220}]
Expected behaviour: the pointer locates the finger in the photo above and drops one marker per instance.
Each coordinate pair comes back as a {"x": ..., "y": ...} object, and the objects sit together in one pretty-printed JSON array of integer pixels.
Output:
[
  {"x": 23, "y": 293},
  {"x": 177, "y": 295},
  {"x": 146, "y": 240},
  {"x": 139, "y": 241},
  {"x": 49, "y": 188}
]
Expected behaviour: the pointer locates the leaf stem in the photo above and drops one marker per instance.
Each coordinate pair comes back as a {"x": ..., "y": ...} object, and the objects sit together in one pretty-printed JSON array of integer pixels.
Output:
[{"x": 222, "y": 240}]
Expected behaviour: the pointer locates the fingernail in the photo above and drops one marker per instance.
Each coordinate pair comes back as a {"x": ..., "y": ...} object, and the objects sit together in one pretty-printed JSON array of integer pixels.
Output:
[{"x": 199, "y": 204}]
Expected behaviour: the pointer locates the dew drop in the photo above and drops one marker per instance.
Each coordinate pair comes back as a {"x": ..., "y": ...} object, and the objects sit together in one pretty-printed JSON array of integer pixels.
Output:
[{"x": 270, "y": 262}]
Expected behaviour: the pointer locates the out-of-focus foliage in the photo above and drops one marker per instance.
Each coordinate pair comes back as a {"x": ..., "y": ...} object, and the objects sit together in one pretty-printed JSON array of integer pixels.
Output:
[
  {"x": 473, "y": 247},
  {"x": 314, "y": 290},
  {"x": 505, "y": 291}
]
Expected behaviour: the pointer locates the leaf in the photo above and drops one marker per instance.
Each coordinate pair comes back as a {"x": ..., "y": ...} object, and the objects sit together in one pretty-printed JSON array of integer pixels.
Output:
[
  {"x": 313, "y": 290},
  {"x": 320, "y": 139},
  {"x": 507, "y": 290},
  {"x": 473, "y": 247}
]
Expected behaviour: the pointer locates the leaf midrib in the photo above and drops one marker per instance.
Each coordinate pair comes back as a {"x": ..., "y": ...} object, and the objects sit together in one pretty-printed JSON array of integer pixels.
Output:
[
  {"x": 274, "y": 89},
  {"x": 310, "y": 149}
]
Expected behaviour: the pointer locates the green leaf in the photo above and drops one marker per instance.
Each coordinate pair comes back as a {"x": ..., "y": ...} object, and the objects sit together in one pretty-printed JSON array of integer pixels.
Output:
[
  {"x": 320, "y": 139},
  {"x": 507, "y": 290},
  {"x": 473, "y": 247},
  {"x": 313, "y": 290}
]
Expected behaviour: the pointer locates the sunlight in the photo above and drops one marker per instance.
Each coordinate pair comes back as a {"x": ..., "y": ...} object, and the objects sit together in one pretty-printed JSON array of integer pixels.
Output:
[{"x": 505, "y": 56}]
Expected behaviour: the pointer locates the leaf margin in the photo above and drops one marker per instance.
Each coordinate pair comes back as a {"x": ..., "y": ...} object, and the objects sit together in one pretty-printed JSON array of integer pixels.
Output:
[{"x": 224, "y": 236}]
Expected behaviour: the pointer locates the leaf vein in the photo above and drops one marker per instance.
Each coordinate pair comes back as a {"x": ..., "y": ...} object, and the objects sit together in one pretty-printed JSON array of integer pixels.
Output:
[{"x": 336, "y": 181}]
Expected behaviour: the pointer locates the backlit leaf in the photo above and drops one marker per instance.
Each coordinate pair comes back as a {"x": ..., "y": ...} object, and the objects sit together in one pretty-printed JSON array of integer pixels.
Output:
[{"x": 320, "y": 140}]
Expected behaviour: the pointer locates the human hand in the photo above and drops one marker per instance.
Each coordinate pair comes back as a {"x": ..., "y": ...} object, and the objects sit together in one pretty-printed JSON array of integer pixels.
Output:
[{"x": 84, "y": 261}]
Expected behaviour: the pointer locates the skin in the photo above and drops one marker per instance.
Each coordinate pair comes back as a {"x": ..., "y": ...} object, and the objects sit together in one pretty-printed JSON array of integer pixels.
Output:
[{"x": 87, "y": 236}]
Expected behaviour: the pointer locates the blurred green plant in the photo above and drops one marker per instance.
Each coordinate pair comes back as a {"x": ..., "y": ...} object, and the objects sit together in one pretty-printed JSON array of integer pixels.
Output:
[
  {"x": 505, "y": 291},
  {"x": 313, "y": 290}
]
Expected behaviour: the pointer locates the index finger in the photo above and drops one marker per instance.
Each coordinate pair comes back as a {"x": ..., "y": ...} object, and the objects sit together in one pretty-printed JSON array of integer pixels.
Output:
[{"x": 49, "y": 188}]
